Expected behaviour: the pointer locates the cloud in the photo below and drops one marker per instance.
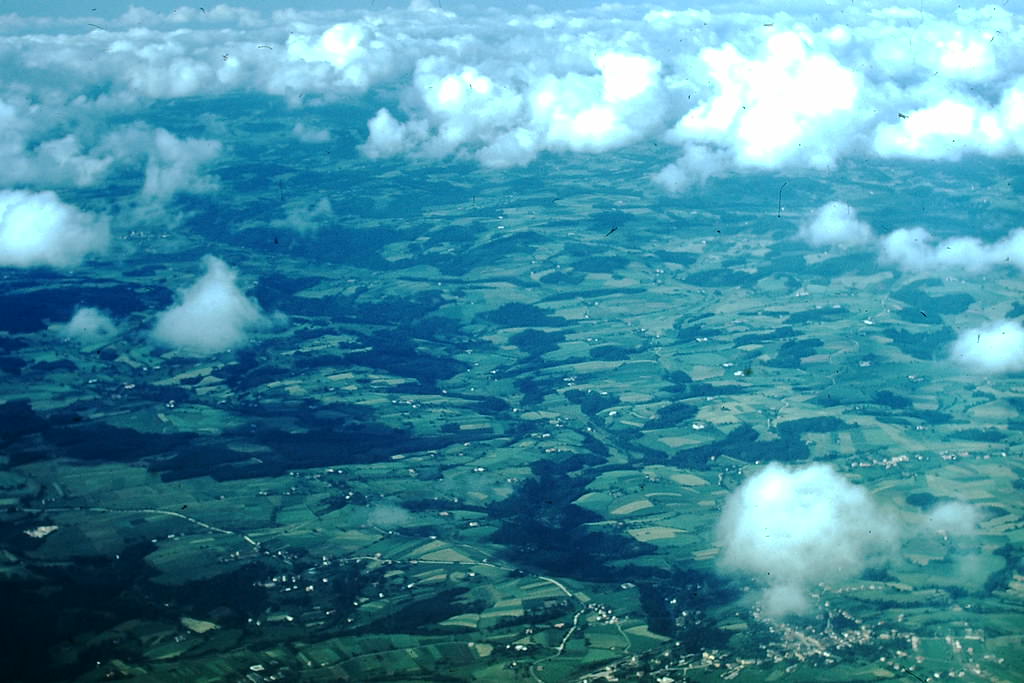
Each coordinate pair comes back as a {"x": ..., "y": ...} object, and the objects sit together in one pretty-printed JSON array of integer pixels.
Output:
[
  {"x": 88, "y": 326},
  {"x": 306, "y": 218},
  {"x": 915, "y": 249},
  {"x": 734, "y": 87},
  {"x": 88, "y": 158},
  {"x": 835, "y": 224},
  {"x": 172, "y": 164},
  {"x": 38, "y": 229},
  {"x": 789, "y": 104},
  {"x": 953, "y": 518},
  {"x": 614, "y": 99},
  {"x": 62, "y": 161},
  {"x": 698, "y": 163},
  {"x": 212, "y": 315},
  {"x": 311, "y": 135},
  {"x": 912, "y": 249},
  {"x": 356, "y": 56},
  {"x": 386, "y": 515},
  {"x": 957, "y": 523},
  {"x": 994, "y": 348},
  {"x": 794, "y": 528},
  {"x": 946, "y": 130},
  {"x": 389, "y": 137}
]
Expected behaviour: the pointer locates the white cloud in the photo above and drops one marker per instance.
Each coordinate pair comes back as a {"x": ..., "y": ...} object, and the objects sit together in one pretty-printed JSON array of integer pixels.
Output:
[
  {"x": 751, "y": 89},
  {"x": 794, "y": 528},
  {"x": 945, "y": 130},
  {"x": 694, "y": 167},
  {"x": 211, "y": 315},
  {"x": 38, "y": 229},
  {"x": 618, "y": 105},
  {"x": 56, "y": 162},
  {"x": 311, "y": 135},
  {"x": 172, "y": 164},
  {"x": 87, "y": 158},
  {"x": 387, "y": 137},
  {"x": 991, "y": 349},
  {"x": 793, "y": 104},
  {"x": 835, "y": 224},
  {"x": 88, "y": 326},
  {"x": 915, "y": 249},
  {"x": 461, "y": 105},
  {"x": 508, "y": 117},
  {"x": 356, "y": 56}
]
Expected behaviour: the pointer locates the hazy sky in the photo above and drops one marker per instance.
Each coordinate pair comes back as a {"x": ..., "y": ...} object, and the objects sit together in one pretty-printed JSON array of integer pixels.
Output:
[
  {"x": 109, "y": 8},
  {"x": 114, "y": 7}
]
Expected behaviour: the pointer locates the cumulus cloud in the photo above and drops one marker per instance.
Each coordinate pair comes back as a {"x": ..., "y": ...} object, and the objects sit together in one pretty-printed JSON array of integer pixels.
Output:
[
  {"x": 994, "y": 348},
  {"x": 915, "y": 249},
  {"x": 389, "y": 137},
  {"x": 698, "y": 163},
  {"x": 748, "y": 88},
  {"x": 63, "y": 161},
  {"x": 38, "y": 229},
  {"x": 957, "y": 523},
  {"x": 88, "y": 326},
  {"x": 912, "y": 249},
  {"x": 356, "y": 56},
  {"x": 947, "y": 130},
  {"x": 835, "y": 224},
  {"x": 211, "y": 315},
  {"x": 789, "y": 103},
  {"x": 87, "y": 157},
  {"x": 613, "y": 100},
  {"x": 792, "y": 528},
  {"x": 172, "y": 164}
]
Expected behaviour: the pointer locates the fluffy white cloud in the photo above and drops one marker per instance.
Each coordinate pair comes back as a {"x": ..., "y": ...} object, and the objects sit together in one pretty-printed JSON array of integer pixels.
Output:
[
  {"x": 88, "y": 158},
  {"x": 38, "y": 229},
  {"x": 88, "y": 326},
  {"x": 171, "y": 164},
  {"x": 835, "y": 224},
  {"x": 946, "y": 130},
  {"x": 211, "y": 315},
  {"x": 698, "y": 163},
  {"x": 57, "y": 162},
  {"x": 618, "y": 105},
  {"x": 356, "y": 57},
  {"x": 509, "y": 117},
  {"x": 990, "y": 349},
  {"x": 751, "y": 88},
  {"x": 388, "y": 136},
  {"x": 915, "y": 249},
  {"x": 790, "y": 104},
  {"x": 461, "y": 105},
  {"x": 794, "y": 528}
]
